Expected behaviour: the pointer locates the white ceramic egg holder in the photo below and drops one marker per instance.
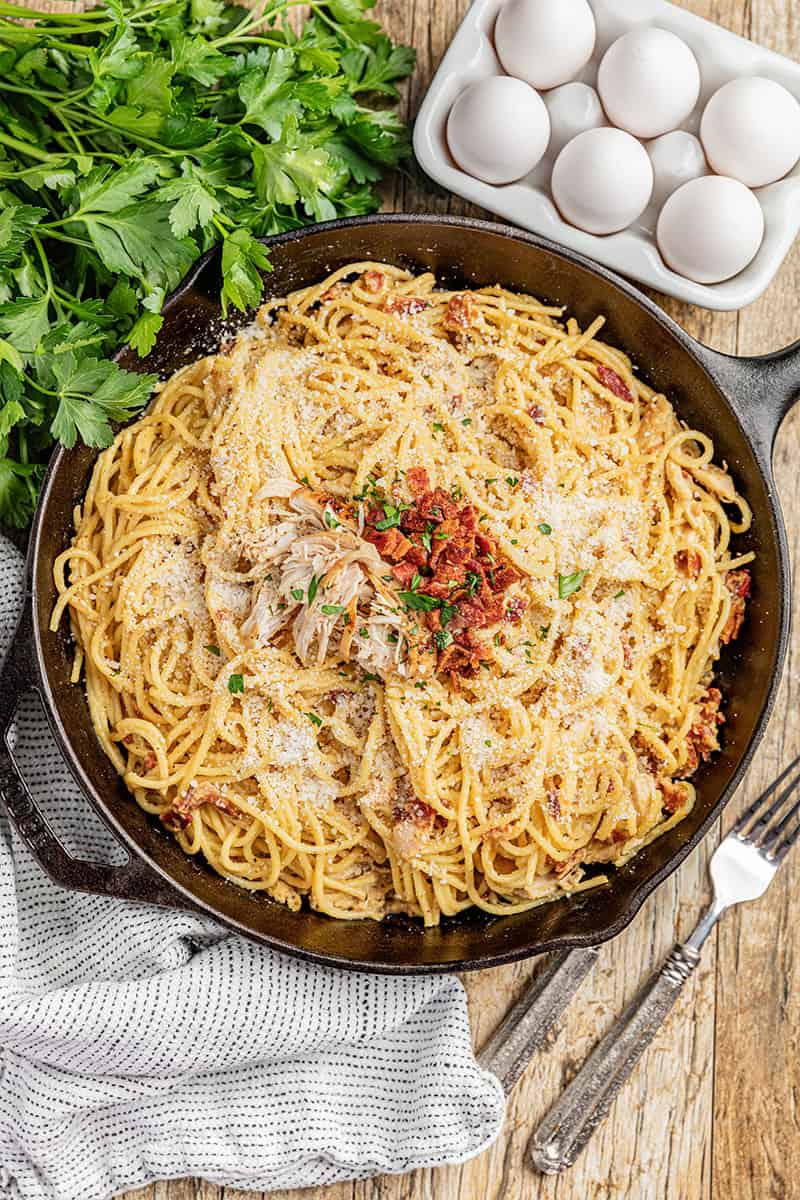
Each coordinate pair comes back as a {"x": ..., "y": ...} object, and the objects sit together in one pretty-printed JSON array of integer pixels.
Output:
[{"x": 722, "y": 56}]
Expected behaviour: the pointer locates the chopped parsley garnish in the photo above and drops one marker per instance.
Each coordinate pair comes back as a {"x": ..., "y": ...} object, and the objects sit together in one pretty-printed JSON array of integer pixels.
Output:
[
  {"x": 297, "y": 594},
  {"x": 314, "y": 719},
  {"x": 515, "y": 541},
  {"x": 569, "y": 584},
  {"x": 473, "y": 582},
  {"x": 442, "y": 537},
  {"x": 620, "y": 593},
  {"x": 392, "y": 515},
  {"x": 467, "y": 421},
  {"x": 363, "y": 632},
  {"x": 393, "y": 637},
  {"x": 370, "y": 678},
  {"x": 512, "y": 481},
  {"x": 214, "y": 650},
  {"x": 543, "y": 632},
  {"x": 332, "y": 610},
  {"x": 447, "y": 613},
  {"x": 236, "y": 684},
  {"x": 484, "y": 517},
  {"x": 438, "y": 427},
  {"x": 545, "y": 528},
  {"x": 420, "y": 685},
  {"x": 330, "y": 520},
  {"x": 498, "y": 639},
  {"x": 488, "y": 742},
  {"x": 313, "y": 588},
  {"x": 442, "y": 639},
  {"x": 419, "y": 601}
]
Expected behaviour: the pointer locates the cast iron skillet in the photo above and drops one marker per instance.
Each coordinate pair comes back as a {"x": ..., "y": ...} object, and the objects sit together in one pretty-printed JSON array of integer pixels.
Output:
[{"x": 740, "y": 403}]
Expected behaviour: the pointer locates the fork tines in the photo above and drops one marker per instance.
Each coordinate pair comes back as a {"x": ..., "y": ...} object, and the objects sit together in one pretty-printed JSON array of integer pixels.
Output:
[{"x": 774, "y": 830}]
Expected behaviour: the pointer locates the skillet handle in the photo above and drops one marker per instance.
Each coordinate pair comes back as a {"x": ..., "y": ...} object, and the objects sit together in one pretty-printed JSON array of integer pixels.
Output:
[
  {"x": 762, "y": 390},
  {"x": 133, "y": 881}
]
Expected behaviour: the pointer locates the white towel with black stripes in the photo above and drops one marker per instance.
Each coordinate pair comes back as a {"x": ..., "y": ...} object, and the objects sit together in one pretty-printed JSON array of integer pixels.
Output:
[{"x": 138, "y": 1043}]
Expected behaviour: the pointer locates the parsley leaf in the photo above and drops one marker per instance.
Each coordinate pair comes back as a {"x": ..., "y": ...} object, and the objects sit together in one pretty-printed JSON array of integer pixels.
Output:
[
  {"x": 91, "y": 394},
  {"x": 419, "y": 601},
  {"x": 569, "y": 584},
  {"x": 236, "y": 684}
]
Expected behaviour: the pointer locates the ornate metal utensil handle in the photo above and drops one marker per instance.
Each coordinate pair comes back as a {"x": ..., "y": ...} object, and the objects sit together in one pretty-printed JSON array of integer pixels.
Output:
[{"x": 582, "y": 1106}]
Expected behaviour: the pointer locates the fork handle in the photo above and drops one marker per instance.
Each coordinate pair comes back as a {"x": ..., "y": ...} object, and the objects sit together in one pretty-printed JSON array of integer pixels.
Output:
[{"x": 572, "y": 1120}]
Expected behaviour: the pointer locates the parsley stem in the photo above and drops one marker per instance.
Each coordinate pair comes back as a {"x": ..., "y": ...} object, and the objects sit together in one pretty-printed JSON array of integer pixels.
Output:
[
  {"x": 41, "y": 93},
  {"x": 63, "y": 237},
  {"x": 48, "y": 278},
  {"x": 24, "y": 147},
  {"x": 98, "y": 121}
]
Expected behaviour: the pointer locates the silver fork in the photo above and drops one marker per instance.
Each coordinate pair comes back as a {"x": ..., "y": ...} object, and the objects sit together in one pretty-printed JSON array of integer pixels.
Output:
[{"x": 742, "y": 867}]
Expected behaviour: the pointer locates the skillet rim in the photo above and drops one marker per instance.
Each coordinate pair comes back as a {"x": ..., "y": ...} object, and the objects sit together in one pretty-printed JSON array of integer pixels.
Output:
[{"x": 762, "y": 460}]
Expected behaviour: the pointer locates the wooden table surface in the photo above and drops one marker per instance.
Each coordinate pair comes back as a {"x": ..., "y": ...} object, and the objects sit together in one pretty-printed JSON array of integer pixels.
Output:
[{"x": 713, "y": 1110}]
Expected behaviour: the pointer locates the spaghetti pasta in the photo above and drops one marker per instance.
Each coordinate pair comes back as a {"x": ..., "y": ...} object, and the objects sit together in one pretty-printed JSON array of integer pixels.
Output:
[{"x": 407, "y": 600}]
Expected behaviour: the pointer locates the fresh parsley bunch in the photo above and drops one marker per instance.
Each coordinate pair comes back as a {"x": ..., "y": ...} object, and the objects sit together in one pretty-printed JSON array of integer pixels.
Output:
[{"x": 133, "y": 137}]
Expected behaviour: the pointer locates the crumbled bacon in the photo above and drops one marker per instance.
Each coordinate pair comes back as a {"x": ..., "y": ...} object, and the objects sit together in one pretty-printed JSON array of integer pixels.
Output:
[
  {"x": 553, "y": 803},
  {"x": 391, "y": 544},
  {"x": 460, "y": 314},
  {"x": 614, "y": 383},
  {"x": 373, "y": 281},
  {"x": 461, "y": 658},
  {"x": 333, "y": 291},
  {"x": 438, "y": 548},
  {"x": 404, "y": 572},
  {"x": 627, "y": 653},
  {"x": 536, "y": 413},
  {"x": 688, "y": 562},
  {"x": 702, "y": 740},
  {"x": 405, "y": 306},
  {"x": 179, "y": 814},
  {"x": 738, "y": 584},
  {"x": 673, "y": 794},
  {"x": 128, "y": 739},
  {"x": 418, "y": 481},
  {"x": 516, "y": 607},
  {"x": 149, "y": 761}
]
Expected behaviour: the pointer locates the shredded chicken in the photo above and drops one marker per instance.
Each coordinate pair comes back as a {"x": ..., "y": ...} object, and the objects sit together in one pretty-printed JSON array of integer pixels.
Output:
[{"x": 326, "y": 580}]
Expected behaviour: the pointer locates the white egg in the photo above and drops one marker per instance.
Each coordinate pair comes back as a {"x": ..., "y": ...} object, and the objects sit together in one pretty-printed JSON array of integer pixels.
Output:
[
  {"x": 545, "y": 42},
  {"x": 573, "y": 108},
  {"x": 710, "y": 229},
  {"x": 602, "y": 180},
  {"x": 498, "y": 129},
  {"x": 649, "y": 82},
  {"x": 677, "y": 158},
  {"x": 751, "y": 130}
]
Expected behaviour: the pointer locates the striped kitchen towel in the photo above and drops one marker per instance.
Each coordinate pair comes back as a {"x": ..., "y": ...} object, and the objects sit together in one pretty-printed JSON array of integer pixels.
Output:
[{"x": 138, "y": 1043}]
